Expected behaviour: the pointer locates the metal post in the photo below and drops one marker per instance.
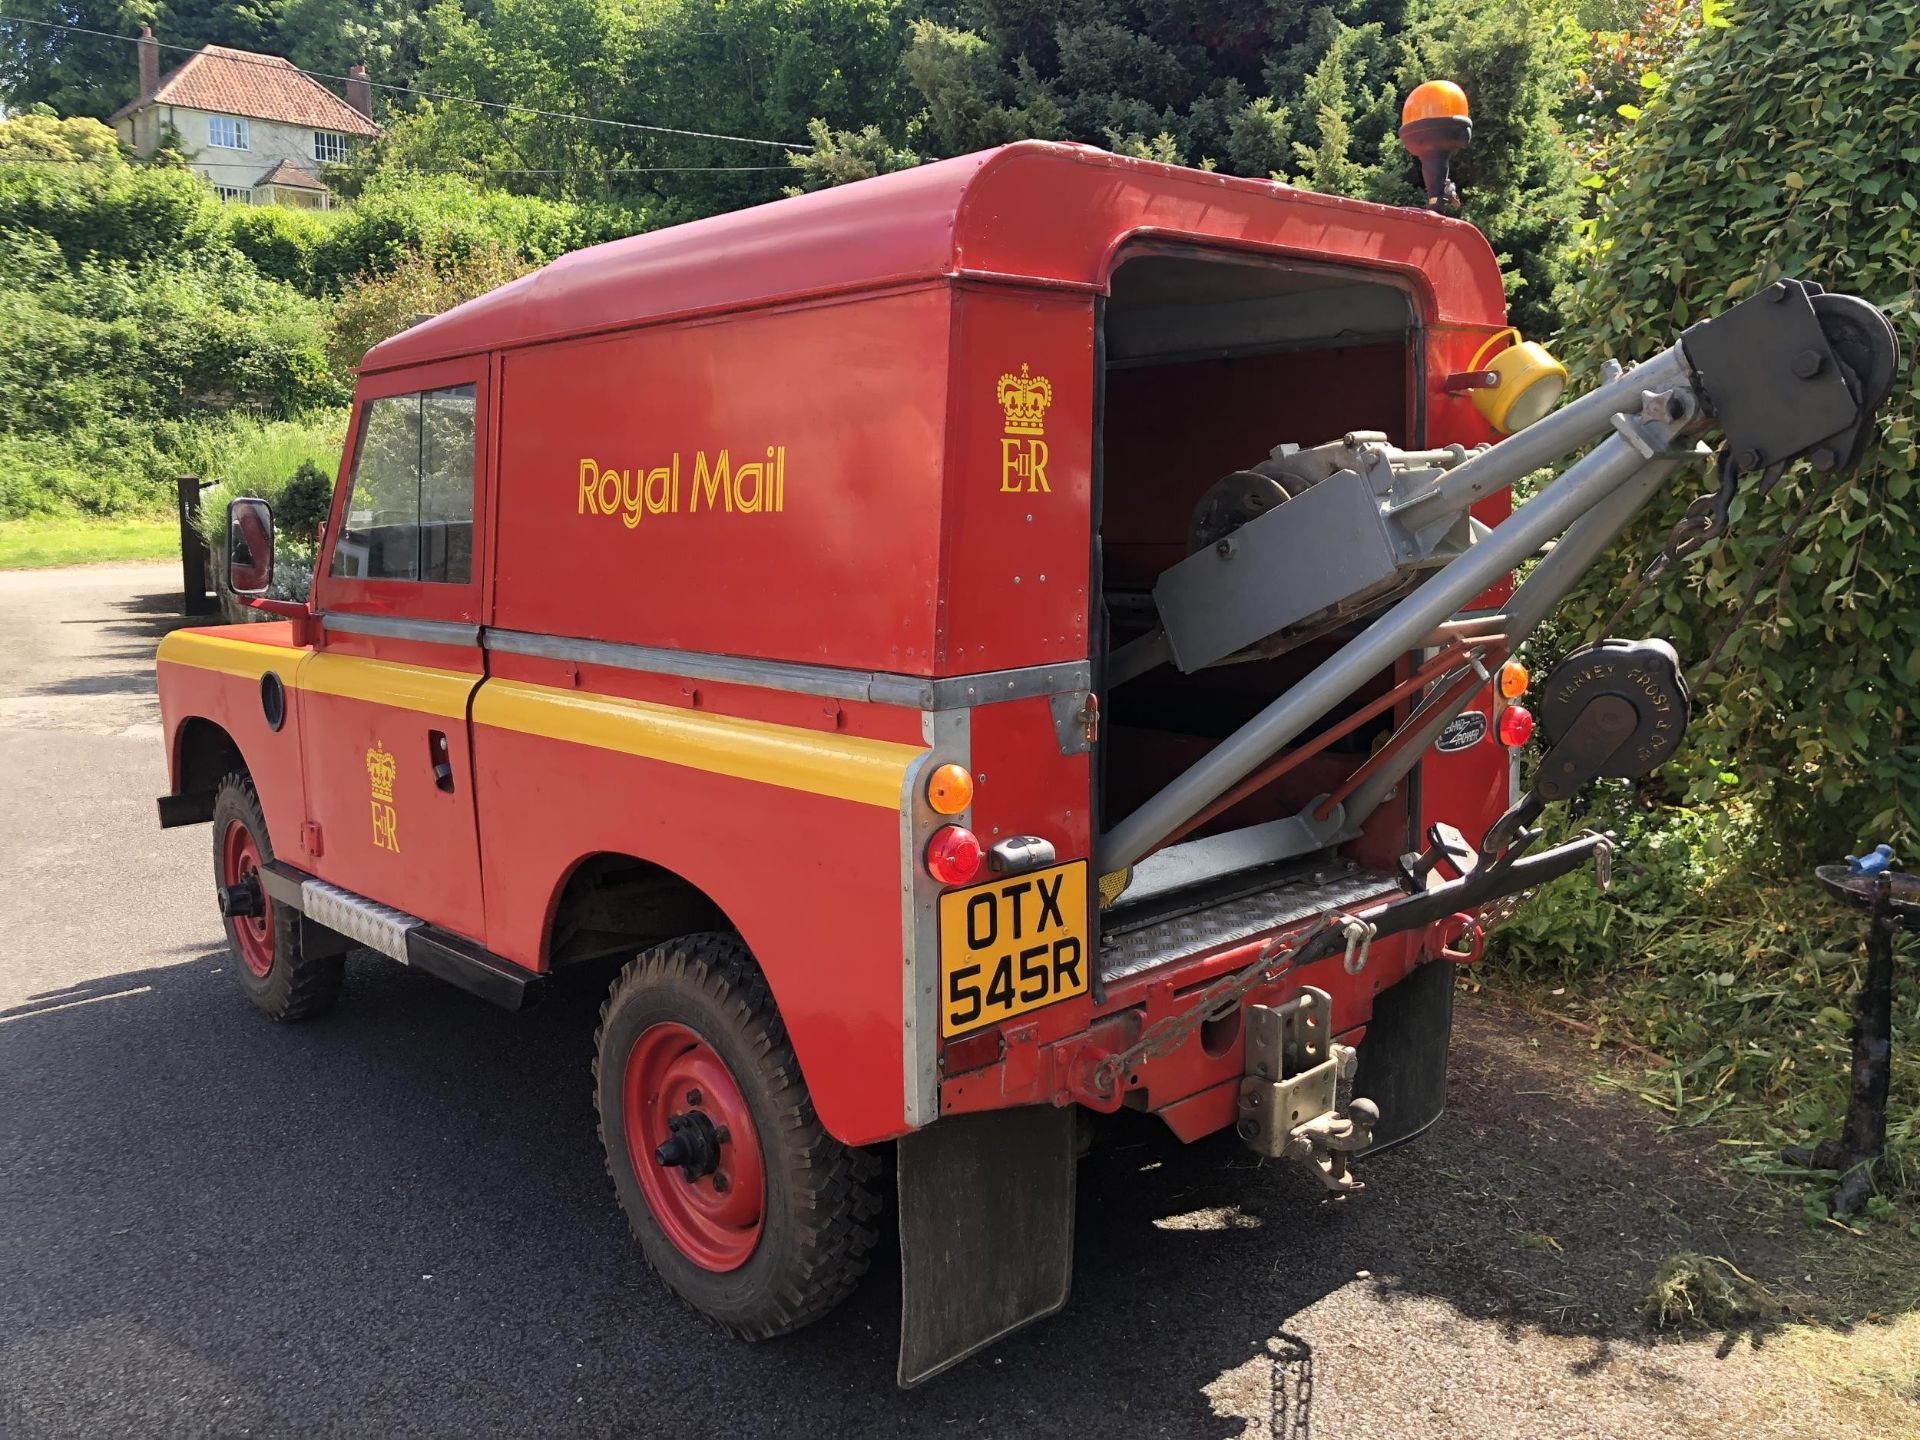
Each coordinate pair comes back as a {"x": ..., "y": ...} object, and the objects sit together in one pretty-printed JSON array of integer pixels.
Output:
[
  {"x": 1612, "y": 464},
  {"x": 196, "y": 599}
]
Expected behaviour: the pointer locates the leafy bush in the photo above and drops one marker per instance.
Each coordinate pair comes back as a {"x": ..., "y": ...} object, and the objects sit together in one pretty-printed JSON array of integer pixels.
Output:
[
  {"x": 1731, "y": 179},
  {"x": 305, "y": 501},
  {"x": 399, "y": 216},
  {"x": 287, "y": 463},
  {"x": 46, "y": 477},
  {"x": 39, "y": 136},
  {"x": 421, "y": 284},
  {"x": 107, "y": 347},
  {"x": 281, "y": 241},
  {"x": 109, "y": 211}
]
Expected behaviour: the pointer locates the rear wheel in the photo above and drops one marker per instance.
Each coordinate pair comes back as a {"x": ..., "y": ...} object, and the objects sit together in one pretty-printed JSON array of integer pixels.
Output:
[
  {"x": 743, "y": 1203},
  {"x": 264, "y": 937}
]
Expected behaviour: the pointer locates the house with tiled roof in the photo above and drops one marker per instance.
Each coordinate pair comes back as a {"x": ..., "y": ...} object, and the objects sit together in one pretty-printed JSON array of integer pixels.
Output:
[{"x": 254, "y": 127}]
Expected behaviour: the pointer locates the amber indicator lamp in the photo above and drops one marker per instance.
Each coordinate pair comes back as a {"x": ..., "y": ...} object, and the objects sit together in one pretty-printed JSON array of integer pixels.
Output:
[{"x": 1434, "y": 124}]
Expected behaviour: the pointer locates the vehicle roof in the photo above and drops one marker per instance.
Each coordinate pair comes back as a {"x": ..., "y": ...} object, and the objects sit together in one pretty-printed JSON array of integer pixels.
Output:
[{"x": 1035, "y": 212}]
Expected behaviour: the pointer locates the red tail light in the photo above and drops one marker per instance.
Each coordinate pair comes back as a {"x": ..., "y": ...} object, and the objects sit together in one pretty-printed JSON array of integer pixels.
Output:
[
  {"x": 953, "y": 855},
  {"x": 1516, "y": 726}
]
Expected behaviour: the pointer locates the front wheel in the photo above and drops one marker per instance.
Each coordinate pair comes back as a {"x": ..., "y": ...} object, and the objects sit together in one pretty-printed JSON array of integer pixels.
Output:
[
  {"x": 264, "y": 937},
  {"x": 743, "y": 1203}
]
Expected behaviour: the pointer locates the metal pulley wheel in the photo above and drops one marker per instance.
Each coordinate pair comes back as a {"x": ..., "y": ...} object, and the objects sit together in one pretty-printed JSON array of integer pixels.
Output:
[
  {"x": 1637, "y": 680},
  {"x": 1231, "y": 502}
]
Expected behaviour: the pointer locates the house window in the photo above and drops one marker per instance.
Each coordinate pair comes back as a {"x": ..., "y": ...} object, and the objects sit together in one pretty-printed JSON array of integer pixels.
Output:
[
  {"x": 234, "y": 194},
  {"x": 409, "y": 512},
  {"x": 226, "y": 132},
  {"x": 329, "y": 148}
]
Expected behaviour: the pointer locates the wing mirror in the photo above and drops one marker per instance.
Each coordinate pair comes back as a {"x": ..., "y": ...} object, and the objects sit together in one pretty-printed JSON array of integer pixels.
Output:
[{"x": 249, "y": 546}]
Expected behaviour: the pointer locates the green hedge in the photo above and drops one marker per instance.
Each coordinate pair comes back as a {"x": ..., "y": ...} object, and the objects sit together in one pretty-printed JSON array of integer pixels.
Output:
[{"x": 1788, "y": 143}]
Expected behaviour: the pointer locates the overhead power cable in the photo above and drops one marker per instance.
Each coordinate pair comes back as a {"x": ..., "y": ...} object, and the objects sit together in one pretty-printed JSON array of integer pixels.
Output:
[
  {"x": 200, "y": 163},
  {"x": 304, "y": 162},
  {"x": 503, "y": 107}
]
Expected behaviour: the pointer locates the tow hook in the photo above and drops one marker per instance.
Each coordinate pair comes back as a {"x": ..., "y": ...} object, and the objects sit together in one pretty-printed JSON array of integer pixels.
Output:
[
  {"x": 242, "y": 900},
  {"x": 1289, "y": 1099}
]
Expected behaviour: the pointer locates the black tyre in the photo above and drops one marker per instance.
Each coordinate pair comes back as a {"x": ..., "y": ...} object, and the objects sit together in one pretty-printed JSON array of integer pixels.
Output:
[
  {"x": 751, "y": 1212},
  {"x": 265, "y": 940}
]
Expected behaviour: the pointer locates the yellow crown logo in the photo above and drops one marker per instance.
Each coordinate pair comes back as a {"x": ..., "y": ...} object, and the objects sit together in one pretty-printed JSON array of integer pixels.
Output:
[
  {"x": 380, "y": 771},
  {"x": 1025, "y": 398}
]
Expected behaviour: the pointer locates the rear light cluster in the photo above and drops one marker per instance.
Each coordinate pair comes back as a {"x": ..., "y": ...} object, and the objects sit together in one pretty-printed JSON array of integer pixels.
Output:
[
  {"x": 1515, "y": 726},
  {"x": 973, "y": 1052},
  {"x": 953, "y": 854},
  {"x": 950, "y": 789}
]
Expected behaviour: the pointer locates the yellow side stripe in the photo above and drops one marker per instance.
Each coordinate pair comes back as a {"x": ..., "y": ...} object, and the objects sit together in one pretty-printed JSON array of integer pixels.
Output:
[
  {"x": 868, "y": 772},
  {"x": 382, "y": 682},
  {"x": 246, "y": 658},
  {"x": 351, "y": 677},
  {"x": 847, "y": 767}
]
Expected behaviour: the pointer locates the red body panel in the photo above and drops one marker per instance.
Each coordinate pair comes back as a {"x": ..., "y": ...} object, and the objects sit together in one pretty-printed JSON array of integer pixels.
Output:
[
  {"x": 849, "y": 518},
  {"x": 920, "y": 355},
  {"x": 811, "y": 883}
]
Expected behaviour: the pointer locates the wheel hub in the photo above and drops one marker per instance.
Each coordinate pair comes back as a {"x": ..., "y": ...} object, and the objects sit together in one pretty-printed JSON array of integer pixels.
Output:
[
  {"x": 243, "y": 900},
  {"x": 693, "y": 1147}
]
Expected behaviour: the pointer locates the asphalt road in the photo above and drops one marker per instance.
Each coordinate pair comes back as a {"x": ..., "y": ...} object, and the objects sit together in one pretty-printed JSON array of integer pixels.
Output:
[{"x": 395, "y": 1221}]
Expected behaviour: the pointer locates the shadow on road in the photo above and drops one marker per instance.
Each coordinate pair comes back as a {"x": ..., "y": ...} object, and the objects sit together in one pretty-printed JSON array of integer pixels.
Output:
[
  {"x": 395, "y": 1220},
  {"x": 117, "y": 651}
]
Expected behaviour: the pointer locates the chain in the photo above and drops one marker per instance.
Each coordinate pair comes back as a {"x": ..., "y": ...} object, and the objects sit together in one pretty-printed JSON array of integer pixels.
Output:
[
  {"x": 1167, "y": 1035},
  {"x": 1289, "y": 1415},
  {"x": 1707, "y": 518},
  {"x": 1496, "y": 913}
]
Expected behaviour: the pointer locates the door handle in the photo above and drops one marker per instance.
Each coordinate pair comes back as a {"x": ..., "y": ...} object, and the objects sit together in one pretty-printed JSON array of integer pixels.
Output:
[{"x": 441, "y": 759}]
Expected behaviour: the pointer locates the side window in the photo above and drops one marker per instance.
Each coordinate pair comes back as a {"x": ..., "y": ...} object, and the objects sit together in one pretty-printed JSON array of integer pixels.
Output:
[{"x": 409, "y": 513}]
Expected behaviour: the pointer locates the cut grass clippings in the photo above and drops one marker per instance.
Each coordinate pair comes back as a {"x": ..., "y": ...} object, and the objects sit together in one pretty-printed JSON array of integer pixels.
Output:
[
  {"x": 40, "y": 544},
  {"x": 1707, "y": 1292},
  {"x": 1727, "y": 990},
  {"x": 1720, "y": 995}
]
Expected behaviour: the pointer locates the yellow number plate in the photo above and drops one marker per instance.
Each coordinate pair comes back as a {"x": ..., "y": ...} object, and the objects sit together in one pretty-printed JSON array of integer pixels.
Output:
[{"x": 1012, "y": 945}]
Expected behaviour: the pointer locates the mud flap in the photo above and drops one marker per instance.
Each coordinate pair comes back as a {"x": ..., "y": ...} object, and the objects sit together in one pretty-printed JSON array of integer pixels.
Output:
[
  {"x": 1403, "y": 1058},
  {"x": 986, "y": 1232}
]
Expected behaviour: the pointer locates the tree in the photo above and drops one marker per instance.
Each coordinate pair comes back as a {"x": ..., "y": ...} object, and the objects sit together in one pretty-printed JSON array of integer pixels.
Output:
[
  {"x": 1731, "y": 178},
  {"x": 760, "y": 70},
  {"x": 1304, "y": 94},
  {"x": 38, "y": 137},
  {"x": 80, "y": 74}
]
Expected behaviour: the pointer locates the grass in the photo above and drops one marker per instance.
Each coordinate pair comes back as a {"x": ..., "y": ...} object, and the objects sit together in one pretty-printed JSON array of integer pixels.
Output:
[
  {"x": 1719, "y": 992},
  {"x": 41, "y": 543},
  {"x": 1729, "y": 989}
]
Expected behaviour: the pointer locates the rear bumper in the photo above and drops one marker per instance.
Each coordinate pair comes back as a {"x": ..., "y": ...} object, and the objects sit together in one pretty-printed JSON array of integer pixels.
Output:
[
  {"x": 177, "y": 810},
  {"x": 1194, "y": 1085},
  {"x": 1196, "y": 1088}
]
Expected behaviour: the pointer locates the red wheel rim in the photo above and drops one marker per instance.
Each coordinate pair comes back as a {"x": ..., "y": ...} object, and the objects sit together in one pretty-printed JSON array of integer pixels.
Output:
[
  {"x": 253, "y": 934},
  {"x": 713, "y": 1219}
]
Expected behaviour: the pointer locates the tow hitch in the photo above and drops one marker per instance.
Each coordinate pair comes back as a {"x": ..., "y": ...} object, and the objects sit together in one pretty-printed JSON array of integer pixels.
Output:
[{"x": 1289, "y": 1100}]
